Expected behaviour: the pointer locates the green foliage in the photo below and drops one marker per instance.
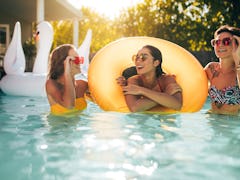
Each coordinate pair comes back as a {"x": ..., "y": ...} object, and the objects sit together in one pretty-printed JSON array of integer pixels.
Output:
[
  {"x": 104, "y": 30},
  {"x": 189, "y": 23},
  {"x": 63, "y": 31}
]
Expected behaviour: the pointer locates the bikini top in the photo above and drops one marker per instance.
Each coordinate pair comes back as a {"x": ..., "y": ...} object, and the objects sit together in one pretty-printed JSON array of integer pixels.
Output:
[{"x": 229, "y": 95}]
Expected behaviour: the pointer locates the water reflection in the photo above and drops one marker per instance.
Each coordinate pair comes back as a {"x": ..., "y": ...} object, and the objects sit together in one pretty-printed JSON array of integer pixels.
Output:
[
  {"x": 96, "y": 144},
  {"x": 226, "y": 134}
]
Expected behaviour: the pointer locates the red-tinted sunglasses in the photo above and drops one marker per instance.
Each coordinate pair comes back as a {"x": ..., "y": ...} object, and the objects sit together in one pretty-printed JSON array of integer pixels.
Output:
[
  {"x": 225, "y": 41},
  {"x": 78, "y": 60}
]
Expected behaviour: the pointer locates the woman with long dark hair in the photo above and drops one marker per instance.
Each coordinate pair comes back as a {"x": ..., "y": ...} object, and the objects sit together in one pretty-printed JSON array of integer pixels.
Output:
[{"x": 151, "y": 87}]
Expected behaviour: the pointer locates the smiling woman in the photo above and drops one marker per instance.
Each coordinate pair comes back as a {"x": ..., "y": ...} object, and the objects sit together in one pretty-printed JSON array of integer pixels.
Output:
[
  {"x": 104, "y": 69},
  {"x": 108, "y": 8}
]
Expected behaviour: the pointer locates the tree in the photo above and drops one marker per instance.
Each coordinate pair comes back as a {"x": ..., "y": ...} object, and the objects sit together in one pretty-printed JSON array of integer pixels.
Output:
[
  {"x": 63, "y": 31},
  {"x": 103, "y": 30},
  {"x": 189, "y": 23}
]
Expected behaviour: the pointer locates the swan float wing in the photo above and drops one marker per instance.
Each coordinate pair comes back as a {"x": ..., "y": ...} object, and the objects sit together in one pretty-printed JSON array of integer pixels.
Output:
[{"x": 14, "y": 59}]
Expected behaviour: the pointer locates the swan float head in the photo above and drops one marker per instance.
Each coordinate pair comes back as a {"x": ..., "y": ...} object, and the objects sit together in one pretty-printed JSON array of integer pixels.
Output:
[
  {"x": 84, "y": 51},
  {"x": 45, "y": 38}
]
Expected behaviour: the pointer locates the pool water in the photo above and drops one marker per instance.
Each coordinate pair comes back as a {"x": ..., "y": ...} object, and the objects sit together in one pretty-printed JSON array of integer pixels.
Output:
[{"x": 109, "y": 145}]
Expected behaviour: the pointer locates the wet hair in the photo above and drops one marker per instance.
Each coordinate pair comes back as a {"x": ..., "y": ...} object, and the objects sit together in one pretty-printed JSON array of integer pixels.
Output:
[
  {"x": 129, "y": 72},
  {"x": 157, "y": 55},
  {"x": 229, "y": 29},
  {"x": 57, "y": 58}
]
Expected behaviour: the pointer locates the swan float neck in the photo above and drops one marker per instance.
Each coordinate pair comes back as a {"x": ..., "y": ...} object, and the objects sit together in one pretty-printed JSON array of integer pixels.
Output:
[
  {"x": 84, "y": 51},
  {"x": 45, "y": 33}
]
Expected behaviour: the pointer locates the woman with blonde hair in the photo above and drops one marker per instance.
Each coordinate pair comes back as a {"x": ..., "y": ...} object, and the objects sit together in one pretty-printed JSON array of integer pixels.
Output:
[{"x": 151, "y": 87}]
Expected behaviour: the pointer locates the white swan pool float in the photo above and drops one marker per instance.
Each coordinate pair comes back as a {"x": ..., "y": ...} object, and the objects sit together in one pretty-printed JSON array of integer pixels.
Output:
[
  {"x": 16, "y": 82},
  {"x": 84, "y": 51}
]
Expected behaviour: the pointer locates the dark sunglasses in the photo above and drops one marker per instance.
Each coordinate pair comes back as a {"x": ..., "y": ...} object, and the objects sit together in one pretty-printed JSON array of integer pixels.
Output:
[
  {"x": 225, "y": 41},
  {"x": 142, "y": 57}
]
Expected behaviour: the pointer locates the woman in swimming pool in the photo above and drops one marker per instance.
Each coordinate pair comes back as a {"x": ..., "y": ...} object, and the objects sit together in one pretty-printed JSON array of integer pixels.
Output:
[
  {"x": 151, "y": 87},
  {"x": 224, "y": 76},
  {"x": 65, "y": 93}
]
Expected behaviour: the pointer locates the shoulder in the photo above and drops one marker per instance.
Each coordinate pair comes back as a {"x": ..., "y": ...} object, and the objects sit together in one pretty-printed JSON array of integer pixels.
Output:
[
  {"x": 53, "y": 92},
  {"x": 167, "y": 78},
  {"x": 51, "y": 86},
  {"x": 211, "y": 66},
  {"x": 134, "y": 79},
  {"x": 169, "y": 84},
  {"x": 49, "y": 83},
  {"x": 211, "y": 69}
]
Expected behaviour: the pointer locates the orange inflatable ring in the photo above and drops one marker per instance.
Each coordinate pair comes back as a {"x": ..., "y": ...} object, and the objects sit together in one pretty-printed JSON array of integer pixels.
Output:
[{"x": 111, "y": 60}]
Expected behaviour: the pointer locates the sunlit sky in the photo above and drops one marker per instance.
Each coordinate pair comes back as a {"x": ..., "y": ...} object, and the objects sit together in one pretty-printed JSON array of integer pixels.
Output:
[{"x": 110, "y": 8}]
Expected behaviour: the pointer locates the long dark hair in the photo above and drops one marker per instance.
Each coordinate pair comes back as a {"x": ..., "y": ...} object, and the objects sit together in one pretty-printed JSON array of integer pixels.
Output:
[
  {"x": 157, "y": 55},
  {"x": 57, "y": 58}
]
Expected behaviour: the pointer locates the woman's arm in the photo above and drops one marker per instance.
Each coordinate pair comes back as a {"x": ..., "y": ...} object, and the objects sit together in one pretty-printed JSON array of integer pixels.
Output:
[
  {"x": 65, "y": 95},
  {"x": 236, "y": 57},
  {"x": 140, "y": 98},
  {"x": 133, "y": 101},
  {"x": 69, "y": 94},
  {"x": 81, "y": 87},
  {"x": 121, "y": 81}
]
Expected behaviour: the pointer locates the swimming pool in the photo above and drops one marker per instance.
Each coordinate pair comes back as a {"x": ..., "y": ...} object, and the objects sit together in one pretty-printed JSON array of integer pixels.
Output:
[{"x": 109, "y": 145}]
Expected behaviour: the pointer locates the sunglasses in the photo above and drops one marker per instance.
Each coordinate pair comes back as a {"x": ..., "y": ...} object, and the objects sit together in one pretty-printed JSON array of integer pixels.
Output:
[
  {"x": 142, "y": 57},
  {"x": 225, "y": 41},
  {"x": 78, "y": 60}
]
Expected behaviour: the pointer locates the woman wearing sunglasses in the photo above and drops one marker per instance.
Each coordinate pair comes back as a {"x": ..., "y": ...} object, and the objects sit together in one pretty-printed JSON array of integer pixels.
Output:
[
  {"x": 224, "y": 76},
  {"x": 151, "y": 87},
  {"x": 65, "y": 94}
]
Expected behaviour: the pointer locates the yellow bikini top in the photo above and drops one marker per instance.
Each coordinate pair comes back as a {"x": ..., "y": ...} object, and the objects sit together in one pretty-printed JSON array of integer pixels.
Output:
[{"x": 80, "y": 104}]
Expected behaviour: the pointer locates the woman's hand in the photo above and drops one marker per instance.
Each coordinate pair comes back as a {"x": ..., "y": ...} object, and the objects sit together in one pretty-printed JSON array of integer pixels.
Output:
[
  {"x": 121, "y": 81},
  {"x": 236, "y": 51},
  {"x": 67, "y": 64},
  {"x": 132, "y": 89},
  {"x": 75, "y": 68},
  {"x": 71, "y": 67}
]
